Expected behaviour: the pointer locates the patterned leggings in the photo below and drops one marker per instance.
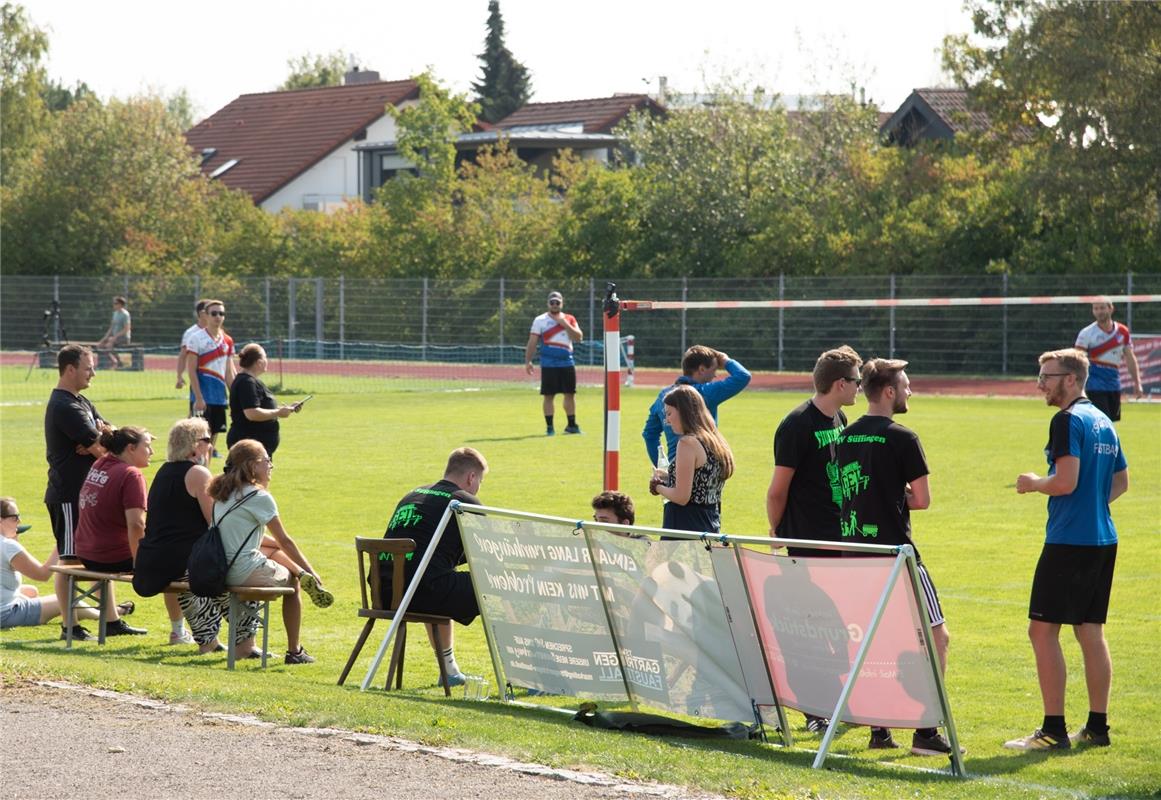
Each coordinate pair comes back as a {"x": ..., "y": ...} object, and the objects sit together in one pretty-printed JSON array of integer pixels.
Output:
[{"x": 205, "y": 615}]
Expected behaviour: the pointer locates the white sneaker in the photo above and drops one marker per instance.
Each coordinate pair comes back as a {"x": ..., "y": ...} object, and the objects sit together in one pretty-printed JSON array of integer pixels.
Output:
[{"x": 181, "y": 638}]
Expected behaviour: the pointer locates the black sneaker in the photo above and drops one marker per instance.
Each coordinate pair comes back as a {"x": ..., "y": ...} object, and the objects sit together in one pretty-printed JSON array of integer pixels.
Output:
[
  {"x": 881, "y": 739},
  {"x": 934, "y": 745},
  {"x": 817, "y": 724},
  {"x": 549, "y": 432},
  {"x": 1088, "y": 738},
  {"x": 79, "y": 634},
  {"x": 1039, "y": 740},
  {"x": 301, "y": 657},
  {"x": 120, "y": 627},
  {"x": 572, "y": 429}
]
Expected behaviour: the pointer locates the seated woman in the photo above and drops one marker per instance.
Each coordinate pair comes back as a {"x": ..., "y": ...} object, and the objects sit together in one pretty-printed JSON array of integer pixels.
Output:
[
  {"x": 179, "y": 512},
  {"x": 243, "y": 487},
  {"x": 693, "y": 484},
  {"x": 254, "y": 413},
  {"x": 21, "y": 604},
  {"x": 112, "y": 512}
]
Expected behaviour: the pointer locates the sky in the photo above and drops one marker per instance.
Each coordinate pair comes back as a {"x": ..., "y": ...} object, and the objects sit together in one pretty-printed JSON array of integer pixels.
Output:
[{"x": 218, "y": 50}]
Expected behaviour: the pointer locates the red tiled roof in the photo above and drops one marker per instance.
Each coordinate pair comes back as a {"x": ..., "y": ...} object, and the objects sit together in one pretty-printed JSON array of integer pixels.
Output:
[
  {"x": 598, "y": 115},
  {"x": 276, "y": 136},
  {"x": 952, "y": 107}
]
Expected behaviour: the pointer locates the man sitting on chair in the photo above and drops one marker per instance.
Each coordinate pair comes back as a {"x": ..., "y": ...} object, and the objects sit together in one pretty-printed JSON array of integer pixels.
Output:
[{"x": 442, "y": 590}]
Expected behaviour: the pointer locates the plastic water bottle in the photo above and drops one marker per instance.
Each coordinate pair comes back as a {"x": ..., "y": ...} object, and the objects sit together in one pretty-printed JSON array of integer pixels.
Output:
[{"x": 662, "y": 462}]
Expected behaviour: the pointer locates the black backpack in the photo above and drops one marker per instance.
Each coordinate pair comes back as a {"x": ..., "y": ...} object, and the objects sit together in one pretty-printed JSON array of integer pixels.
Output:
[{"x": 207, "y": 558}]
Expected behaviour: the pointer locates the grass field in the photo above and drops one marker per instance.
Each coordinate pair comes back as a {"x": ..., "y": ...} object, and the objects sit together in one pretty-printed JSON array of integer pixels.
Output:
[{"x": 347, "y": 458}]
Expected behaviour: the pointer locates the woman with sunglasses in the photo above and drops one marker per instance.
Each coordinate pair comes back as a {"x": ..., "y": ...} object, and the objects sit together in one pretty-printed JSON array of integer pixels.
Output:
[
  {"x": 112, "y": 506},
  {"x": 243, "y": 491},
  {"x": 179, "y": 512},
  {"x": 695, "y": 478},
  {"x": 21, "y": 604}
]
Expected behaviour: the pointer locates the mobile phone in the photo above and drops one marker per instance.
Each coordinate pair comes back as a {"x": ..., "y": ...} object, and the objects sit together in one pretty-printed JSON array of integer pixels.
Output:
[{"x": 302, "y": 402}]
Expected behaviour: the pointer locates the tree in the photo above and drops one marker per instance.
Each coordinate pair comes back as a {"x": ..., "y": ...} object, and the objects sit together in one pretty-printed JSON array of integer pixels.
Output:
[
  {"x": 58, "y": 97},
  {"x": 308, "y": 71},
  {"x": 505, "y": 84},
  {"x": 22, "y": 109}
]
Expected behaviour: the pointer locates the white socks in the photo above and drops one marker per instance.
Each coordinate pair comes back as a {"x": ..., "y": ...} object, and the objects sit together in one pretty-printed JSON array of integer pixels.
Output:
[{"x": 449, "y": 662}]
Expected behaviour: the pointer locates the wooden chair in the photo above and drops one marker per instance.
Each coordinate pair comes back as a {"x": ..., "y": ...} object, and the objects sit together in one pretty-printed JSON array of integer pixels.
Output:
[{"x": 372, "y": 610}]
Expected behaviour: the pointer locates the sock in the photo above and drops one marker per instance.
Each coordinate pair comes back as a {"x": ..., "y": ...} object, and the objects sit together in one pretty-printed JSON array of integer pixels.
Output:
[
  {"x": 548, "y": 420},
  {"x": 449, "y": 662},
  {"x": 572, "y": 420},
  {"x": 930, "y": 733},
  {"x": 1097, "y": 723},
  {"x": 177, "y": 626},
  {"x": 880, "y": 733},
  {"x": 1054, "y": 726}
]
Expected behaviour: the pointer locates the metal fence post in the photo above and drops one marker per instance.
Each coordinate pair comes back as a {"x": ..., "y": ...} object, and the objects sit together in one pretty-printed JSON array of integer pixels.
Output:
[
  {"x": 291, "y": 317},
  {"x": 1004, "y": 317},
  {"x": 684, "y": 299},
  {"x": 1129, "y": 303},
  {"x": 781, "y": 312},
  {"x": 318, "y": 319},
  {"x": 267, "y": 295},
  {"x": 592, "y": 321},
  {"x": 891, "y": 321},
  {"x": 342, "y": 318},
  {"x": 56, "y": 305},
  {"x": 197, "y": 290},
  {"x": 501, "y": 359},
  {"x": 423, "y": 307}
]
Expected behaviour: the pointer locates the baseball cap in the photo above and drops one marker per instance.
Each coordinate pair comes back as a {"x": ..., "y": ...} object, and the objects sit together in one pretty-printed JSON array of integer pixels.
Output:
[{"x": 555, "y": 296}]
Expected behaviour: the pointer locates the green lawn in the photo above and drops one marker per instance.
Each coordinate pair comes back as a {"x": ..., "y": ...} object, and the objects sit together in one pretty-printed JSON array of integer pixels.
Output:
[{"x": 347, "y": 458}]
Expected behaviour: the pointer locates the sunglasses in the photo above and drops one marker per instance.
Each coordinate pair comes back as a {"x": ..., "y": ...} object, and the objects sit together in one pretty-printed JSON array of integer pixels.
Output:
[
  {"x": 10, "y": 516},
  {"x": 217, "y": 313},
  {"x": 855, "y": 381},
  {"x": 205, "y": 439}
]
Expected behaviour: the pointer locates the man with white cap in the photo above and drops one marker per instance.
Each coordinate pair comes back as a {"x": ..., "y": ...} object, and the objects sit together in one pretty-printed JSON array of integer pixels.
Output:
[{"x": 555, "y": 332}]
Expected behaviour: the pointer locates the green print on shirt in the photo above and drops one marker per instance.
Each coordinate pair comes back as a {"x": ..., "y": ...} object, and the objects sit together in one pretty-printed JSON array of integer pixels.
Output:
[
  {"x": 852, "y": 480},
  {"x": 405, "y": 517},
  {"x": 851, "y": 527},
  {"x": 862, "y": 438},
  {"x": 832, "y": 480},
  {"x": 828, "y": 437}
]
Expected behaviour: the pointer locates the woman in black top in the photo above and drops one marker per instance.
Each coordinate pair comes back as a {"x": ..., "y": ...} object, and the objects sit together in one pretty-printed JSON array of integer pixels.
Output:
[
  {"x": 254, "y": 413},
  {"x": 179, "y": 513}
]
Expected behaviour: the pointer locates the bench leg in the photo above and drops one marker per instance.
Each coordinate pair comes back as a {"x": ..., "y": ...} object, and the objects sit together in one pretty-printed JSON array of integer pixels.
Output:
[
  {"x": 265, "y": 630},
  {"x": 70, "y": 614},
  {"x": 102, "y": 589},
  {"x": 231, "y": 621},
  {"x": 358, "y": 649}
]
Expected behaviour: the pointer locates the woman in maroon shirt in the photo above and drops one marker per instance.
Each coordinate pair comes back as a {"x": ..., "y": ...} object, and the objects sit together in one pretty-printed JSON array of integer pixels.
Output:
[{"x": 112, "y": 511}]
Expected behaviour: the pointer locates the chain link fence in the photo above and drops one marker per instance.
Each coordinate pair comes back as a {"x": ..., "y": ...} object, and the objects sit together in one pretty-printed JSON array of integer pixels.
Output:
[{"x": 486, "y": 321}]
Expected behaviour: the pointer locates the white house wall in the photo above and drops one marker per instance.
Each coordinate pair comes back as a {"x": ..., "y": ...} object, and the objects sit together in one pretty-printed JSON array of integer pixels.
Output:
[{"x": 334, "y": 179}]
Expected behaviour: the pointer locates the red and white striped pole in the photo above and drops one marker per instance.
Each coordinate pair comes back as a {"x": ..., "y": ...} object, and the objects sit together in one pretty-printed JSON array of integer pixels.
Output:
[{"x": 612, "y": 316}]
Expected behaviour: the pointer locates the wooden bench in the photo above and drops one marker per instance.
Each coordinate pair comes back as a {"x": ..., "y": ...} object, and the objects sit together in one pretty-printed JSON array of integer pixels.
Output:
[
  {"x": 46, "y": 358},
  {"x": 101, "y": 580}
]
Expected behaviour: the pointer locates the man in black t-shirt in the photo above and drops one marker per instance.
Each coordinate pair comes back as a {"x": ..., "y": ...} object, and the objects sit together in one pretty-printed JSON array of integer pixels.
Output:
[
  {"x": 72, "y": 427},
  {"x": 442, "y": 590},
  {"x": 882, "y": 475},
  {"x": 803, "y": 499}
]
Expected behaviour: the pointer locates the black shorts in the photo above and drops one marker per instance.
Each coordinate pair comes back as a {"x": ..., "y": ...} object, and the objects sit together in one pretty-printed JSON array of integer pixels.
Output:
[
  {"x": 1108, "y": 402},
  {"x": 106, "y": 566},
  {"x": 448, "y": 595},
  {"x": 215, "y": 417},
  {"x": 558, "y": 380},
  {"x": 64, "y": 518},
  {"x": 1073, "y": 584}
]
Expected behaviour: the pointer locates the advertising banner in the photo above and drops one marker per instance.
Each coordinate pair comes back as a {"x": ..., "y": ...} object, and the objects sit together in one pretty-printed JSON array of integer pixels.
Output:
[
  {"x": 1147, "y": 349},
  {"x": 813, "y": 615}
]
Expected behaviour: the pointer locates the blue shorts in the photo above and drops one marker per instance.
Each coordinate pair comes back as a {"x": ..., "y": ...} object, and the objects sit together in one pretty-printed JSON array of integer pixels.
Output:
[{"x": 21, "y": 612}]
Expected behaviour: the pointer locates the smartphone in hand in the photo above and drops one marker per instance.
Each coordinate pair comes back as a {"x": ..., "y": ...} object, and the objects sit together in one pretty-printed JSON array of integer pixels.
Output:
[{"x": 298, "y": 406}]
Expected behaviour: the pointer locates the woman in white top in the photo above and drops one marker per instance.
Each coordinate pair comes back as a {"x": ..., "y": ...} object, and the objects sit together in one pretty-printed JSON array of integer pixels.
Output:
[
  {"x": 21, "y": 604},
  {"x": 243, "y": 507}
]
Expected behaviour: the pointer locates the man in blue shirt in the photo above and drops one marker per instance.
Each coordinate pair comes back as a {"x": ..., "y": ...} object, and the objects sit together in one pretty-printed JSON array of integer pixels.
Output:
[
  {"x": 1086, "y": 472},
  {"x": 699, "y": 366}
]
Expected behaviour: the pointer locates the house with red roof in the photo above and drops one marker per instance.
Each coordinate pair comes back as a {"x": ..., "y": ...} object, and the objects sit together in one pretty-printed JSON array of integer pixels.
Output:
[{"x": 933, "y": 113}]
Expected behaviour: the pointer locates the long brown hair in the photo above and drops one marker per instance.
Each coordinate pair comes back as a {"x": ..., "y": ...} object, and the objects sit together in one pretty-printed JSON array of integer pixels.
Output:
[
  {"x": 242, "y": 466},
  {"x": 697, "y": 422}
]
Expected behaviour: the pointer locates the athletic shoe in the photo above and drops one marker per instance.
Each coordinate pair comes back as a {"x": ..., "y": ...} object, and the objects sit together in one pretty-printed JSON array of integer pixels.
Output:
[
  {"x": 572, "y": 429},
  {"x": 937, "y": 745},
  {"x": 256, "y": 654},
  {"x": 126, "y": 608},
  {"x": 1086, "y": 737},
  {"x": 882, "y": 740},
  {"x": 120, "y": 627},
  {"x": 550, "y": 432},
  {"x": 459, "y": 679},
  {"x": 318, "y": 595},
  {"x": 301, "y": 657},
  {"x": 185, "y": 637},
  {"x": 79, "y": 634},
  {"x": 817, "y": 724},
  {"x": 1039, "y": 740}
]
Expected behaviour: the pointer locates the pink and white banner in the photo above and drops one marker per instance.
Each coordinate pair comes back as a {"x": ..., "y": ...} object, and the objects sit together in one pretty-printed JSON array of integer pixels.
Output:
[
  {"x": 812, "y": 616},
  {"x": 1147, "y": 349}
]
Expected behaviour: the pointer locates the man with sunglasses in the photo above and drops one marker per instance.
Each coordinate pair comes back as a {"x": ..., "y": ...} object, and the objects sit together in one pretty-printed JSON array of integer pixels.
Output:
[
  {"x": 555, "y": 332},
  {"x": 1087, "y": 471},
  {"x": 210, "y": 364},
  {"x": 804, "y": 496}
]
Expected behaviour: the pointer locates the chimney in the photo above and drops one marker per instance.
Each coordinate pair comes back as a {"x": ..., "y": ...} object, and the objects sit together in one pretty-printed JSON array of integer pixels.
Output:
[{"x": 357, "y": 75}]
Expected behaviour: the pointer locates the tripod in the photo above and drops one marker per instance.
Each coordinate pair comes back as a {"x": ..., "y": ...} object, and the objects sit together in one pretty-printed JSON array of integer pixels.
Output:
[{"x": 53, "y": 321}]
